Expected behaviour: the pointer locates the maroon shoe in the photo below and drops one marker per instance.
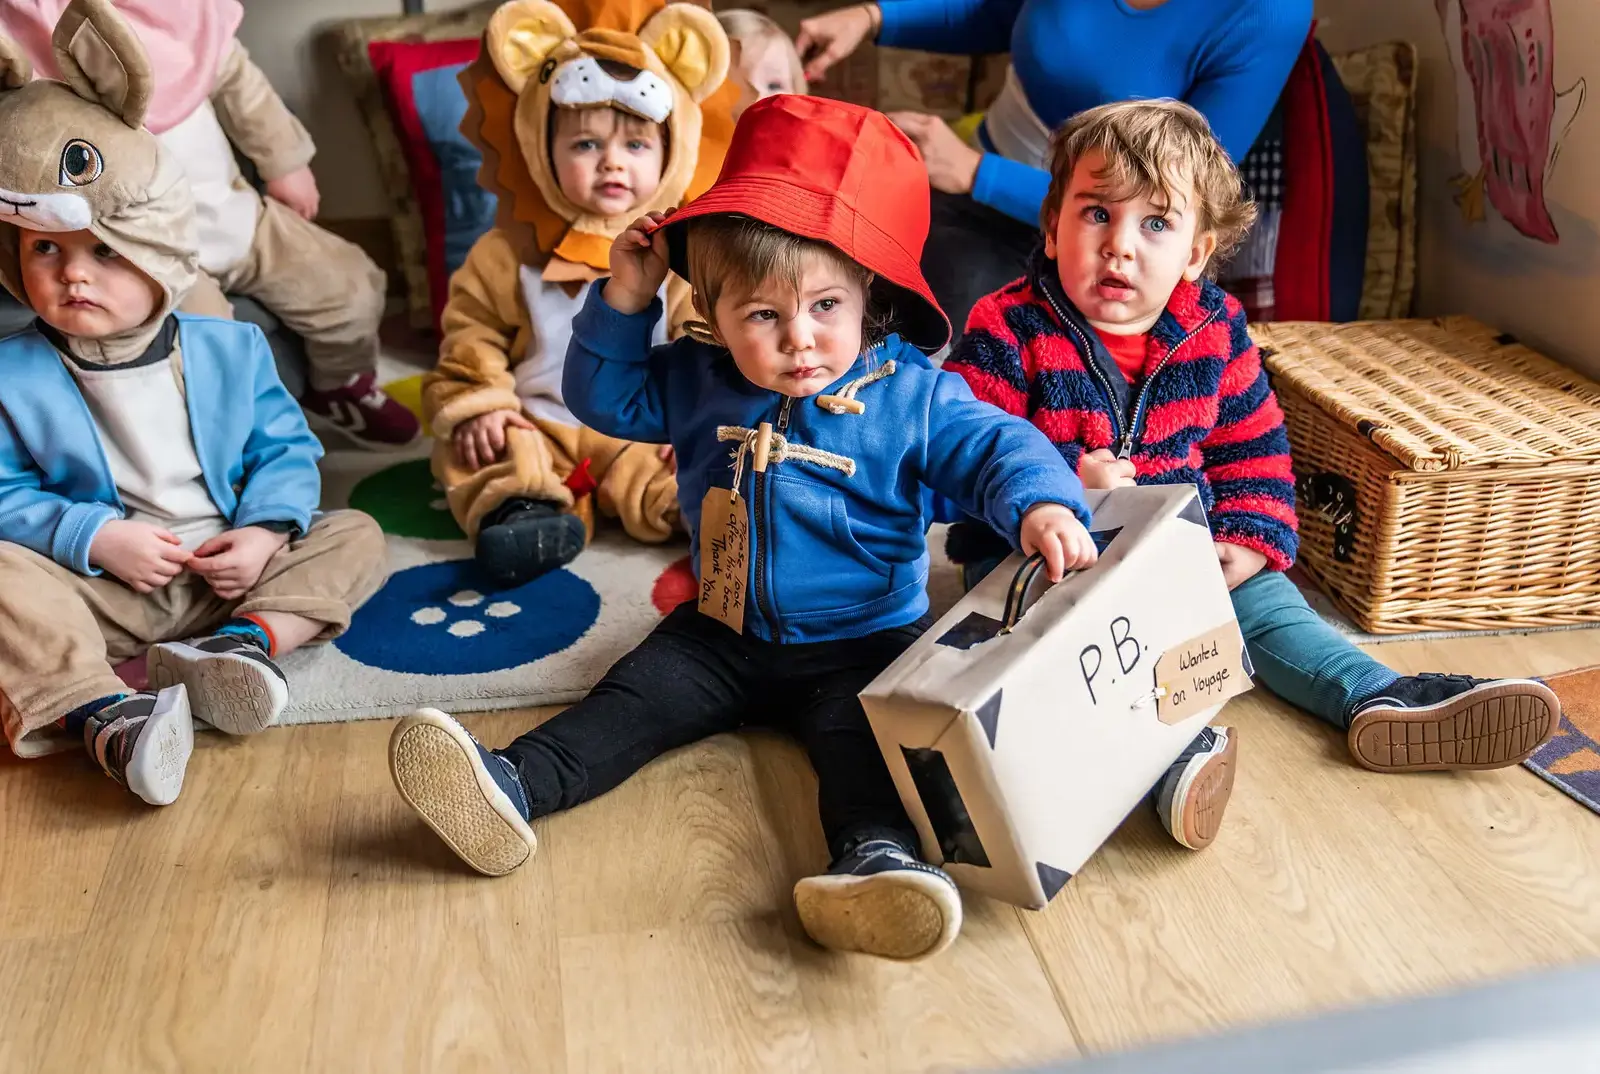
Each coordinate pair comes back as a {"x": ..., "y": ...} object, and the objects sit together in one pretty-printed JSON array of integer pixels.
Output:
[{"x": 361, "y": 411}]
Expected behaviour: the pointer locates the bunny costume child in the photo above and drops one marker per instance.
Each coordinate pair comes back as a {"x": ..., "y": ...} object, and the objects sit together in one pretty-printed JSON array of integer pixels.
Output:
[
  {"x": 798, "y": 429},
  {"x": 158, "y": 486},
  {"x": 205, "y": 98}
]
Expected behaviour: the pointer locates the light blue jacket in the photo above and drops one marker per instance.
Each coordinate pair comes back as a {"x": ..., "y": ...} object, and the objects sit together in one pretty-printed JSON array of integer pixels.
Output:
[
  {"x": 833, "y": 554},
  {"x": 257, "y": 456}
]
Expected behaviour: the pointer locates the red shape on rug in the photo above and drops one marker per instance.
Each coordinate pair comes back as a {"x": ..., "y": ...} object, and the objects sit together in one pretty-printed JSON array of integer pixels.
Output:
[{"x": 674, "y": 586}]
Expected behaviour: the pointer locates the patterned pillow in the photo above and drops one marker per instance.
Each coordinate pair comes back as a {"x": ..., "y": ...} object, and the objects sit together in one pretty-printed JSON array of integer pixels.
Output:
[
  {"x": 427, "y": 105},
  {"x": 352, "y": 38},
  {"x": 1382, "y": 81}
]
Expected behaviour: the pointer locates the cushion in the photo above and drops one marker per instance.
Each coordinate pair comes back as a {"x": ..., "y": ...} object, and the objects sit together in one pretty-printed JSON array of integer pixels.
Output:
[
  {"x": 1382, "y": 81},
  {"x": 427, "y": 106},
  {"x": 351, "y": 39}
]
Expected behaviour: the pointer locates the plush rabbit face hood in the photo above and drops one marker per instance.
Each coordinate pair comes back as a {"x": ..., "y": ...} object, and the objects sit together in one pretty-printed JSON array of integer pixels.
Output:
[{"x": 77, "y": 159}]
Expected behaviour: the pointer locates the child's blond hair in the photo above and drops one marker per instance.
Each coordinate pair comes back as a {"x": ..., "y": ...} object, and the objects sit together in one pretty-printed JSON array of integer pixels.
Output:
[
  {"x": 742, "y": 24},
  {"x": 1148, "y": 146},
  {"x": 736, "y": 251}
]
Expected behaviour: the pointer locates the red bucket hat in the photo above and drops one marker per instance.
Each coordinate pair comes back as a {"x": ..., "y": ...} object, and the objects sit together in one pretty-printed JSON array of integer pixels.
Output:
[{"x": 838, "y": 173}]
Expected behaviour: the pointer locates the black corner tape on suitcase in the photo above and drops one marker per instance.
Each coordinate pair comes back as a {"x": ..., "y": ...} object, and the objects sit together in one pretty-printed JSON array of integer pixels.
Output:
[
  {"x": 941, "y": 800},
  {"x": 975, "y": 628},
  {"x": 1051, "y": 879},
  {"x": 1195, "y": 511},
  {"x": 1103, "y": 538},
  {"x": 989, "y": 717}
]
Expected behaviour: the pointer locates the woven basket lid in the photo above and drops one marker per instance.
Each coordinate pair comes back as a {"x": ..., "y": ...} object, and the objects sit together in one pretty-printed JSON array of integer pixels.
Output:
[{"x": 1439, "y": 394}]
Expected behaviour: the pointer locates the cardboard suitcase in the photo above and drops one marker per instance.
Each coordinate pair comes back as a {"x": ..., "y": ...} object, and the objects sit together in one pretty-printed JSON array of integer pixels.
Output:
[{"x": 1020, "y": 735}]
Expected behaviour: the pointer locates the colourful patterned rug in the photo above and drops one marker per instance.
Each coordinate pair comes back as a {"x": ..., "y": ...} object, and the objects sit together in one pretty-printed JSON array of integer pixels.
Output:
[
  {"x": 1571, "y": 760},
  {"x": 439, "y": 634}
]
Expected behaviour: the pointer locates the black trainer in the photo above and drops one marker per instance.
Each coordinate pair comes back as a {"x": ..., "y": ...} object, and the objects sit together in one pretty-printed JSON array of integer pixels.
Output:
[
  {"x": 233, "y": 685},
  {"x": 1423, "y": 723},
  {"x": 880, "y": 900},
  {"x": 523, "y": 539},
  {"x": 144, "y": 742}
]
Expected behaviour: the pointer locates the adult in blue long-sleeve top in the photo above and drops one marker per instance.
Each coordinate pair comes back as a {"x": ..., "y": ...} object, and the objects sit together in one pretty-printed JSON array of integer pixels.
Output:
[{"x": 1228, "y": 58}]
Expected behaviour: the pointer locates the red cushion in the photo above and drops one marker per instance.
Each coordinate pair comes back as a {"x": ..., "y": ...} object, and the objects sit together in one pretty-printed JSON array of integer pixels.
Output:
[
  {"x": 396, "y": 63},
  {"x": 1300, "y": 275}
]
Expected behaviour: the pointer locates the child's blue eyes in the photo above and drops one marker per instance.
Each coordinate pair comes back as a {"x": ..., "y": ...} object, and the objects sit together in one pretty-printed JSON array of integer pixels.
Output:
[
  {"x": 1096, "y": 214},
  {"x": 827, "y": 305}
]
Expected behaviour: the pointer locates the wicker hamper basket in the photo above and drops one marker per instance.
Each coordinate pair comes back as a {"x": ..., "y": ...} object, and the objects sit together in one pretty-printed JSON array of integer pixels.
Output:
[{"x": 1448, "y": 477}]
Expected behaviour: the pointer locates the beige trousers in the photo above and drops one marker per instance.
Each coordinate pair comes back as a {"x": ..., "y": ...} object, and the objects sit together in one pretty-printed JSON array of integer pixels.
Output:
[
  {"x": 631, "y": 482},
  {"x": 324, "y": 289},
  {"x": 61, "y": 631}
]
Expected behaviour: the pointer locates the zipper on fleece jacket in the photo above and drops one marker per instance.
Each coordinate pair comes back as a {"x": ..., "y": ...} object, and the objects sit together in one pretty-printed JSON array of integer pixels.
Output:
[{"x": 1125, "y": 431}]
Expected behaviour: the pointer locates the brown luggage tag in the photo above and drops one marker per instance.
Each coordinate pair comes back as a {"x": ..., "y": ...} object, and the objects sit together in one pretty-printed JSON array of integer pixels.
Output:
[{"x": 725, "y": 544}]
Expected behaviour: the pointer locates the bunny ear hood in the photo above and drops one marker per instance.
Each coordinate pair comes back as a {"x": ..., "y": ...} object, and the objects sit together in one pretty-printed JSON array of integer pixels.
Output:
[{"x": 77, "y": 159}]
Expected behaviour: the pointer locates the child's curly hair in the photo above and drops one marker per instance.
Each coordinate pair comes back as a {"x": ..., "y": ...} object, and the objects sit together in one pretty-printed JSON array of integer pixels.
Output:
[{"x": 1149, "y": 146}]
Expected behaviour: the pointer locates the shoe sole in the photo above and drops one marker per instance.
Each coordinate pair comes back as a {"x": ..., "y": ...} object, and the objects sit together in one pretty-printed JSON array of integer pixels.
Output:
[
  {"x": 903, "y": 915},
  {"x": 437, "y": 771},
  {"x": 526, "y": 548},
  {"x": 161, "y": 756},
  {"x": 234, "y": 694},
  {"x": 1201, "y": 797},
  {"x": 1491, "y": 726},
  {"x": 320, "y": 425}
]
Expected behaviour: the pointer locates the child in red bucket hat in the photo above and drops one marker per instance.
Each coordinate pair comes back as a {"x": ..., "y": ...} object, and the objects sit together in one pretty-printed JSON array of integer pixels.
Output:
[{"x": 806, "y": 424}]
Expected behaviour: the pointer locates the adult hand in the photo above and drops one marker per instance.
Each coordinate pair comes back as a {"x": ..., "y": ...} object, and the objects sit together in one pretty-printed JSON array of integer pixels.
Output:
[
  {"x": 1100, "y": 469},
  {"x": 146, "y": 557},
  {"x": 952, "y": 164},
  {"x": 1239, "y": 564},
  {"x": 298, "y": 190},
  {"x": 826, "y": 39}
]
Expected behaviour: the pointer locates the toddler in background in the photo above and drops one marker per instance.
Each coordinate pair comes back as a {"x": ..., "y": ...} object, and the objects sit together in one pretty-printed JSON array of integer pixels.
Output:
[{"x": 764, "y": 59}]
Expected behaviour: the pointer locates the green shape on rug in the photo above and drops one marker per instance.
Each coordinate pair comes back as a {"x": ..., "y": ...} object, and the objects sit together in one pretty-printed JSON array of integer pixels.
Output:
[{"x": 407, "y": 502}]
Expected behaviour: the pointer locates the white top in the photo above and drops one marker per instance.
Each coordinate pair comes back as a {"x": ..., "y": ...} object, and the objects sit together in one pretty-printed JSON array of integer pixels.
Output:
[
  {"x": 143, "y": 423},
  {"x": 226, "y": 208},
  {"x": 538, "y": 375},
  {"x": 1013, "y": 127}
]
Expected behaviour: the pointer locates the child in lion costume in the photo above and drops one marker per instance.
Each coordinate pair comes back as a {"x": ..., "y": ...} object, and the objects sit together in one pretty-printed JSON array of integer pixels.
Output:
[{"x": 582, "y": 131}]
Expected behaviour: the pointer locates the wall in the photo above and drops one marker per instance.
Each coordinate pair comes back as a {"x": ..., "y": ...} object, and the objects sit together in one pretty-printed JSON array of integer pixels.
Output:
[
  {"x": 283, "y": 37},
  {"x": 1526, "y": 264}
]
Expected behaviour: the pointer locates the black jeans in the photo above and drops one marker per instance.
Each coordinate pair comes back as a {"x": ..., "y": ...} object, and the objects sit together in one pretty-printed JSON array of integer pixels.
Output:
[
  {"x": 972, "y": 250},
  {"x": 693, "y": 678}
]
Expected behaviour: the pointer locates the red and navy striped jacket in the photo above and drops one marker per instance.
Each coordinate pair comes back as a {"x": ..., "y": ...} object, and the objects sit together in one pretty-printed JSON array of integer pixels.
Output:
[{"x": 1204, "y": 413}]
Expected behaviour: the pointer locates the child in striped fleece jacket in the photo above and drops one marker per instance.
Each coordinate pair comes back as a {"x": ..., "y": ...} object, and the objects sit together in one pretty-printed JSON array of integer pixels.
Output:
[{"x": 1118, "y": 346}]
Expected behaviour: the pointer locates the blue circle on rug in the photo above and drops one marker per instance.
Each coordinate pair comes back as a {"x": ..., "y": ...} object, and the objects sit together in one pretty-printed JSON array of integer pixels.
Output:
[{"x": 444, "y": 619}]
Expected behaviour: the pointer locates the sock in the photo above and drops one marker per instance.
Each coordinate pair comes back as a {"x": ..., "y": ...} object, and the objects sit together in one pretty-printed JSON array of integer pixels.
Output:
[
  {"x": 516, "y": 505},
  {"x": 252, "y": 630},
  {"x": 73, "y": 721}
]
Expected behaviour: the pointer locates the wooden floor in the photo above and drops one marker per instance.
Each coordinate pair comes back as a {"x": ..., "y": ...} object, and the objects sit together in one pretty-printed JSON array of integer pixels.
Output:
[{"x": 290, "y": 914}]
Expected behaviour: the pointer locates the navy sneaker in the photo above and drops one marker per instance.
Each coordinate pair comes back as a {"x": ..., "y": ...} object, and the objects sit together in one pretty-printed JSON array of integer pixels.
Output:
[
  {"x": 1194, "y": 793},
  {"x": 472, "y": 797},
  {"x": 1426, "y": 723},
  {"x": 523, "y": 539},
  {"x": 233, "y": 685},
  {"x": 144, "y": 742},
  {"x": 880, "y": 900}
]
